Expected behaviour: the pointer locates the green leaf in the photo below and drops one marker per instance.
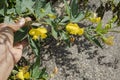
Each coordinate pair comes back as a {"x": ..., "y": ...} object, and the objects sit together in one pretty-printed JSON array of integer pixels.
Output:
[
  {"x": 29, "y": 5},
  {"x": 34, "y": 46},
  {"x": 67, "y": 8},
  {"x": 11, "y": 11},
  {"x": 93, "y": 39},
  {"x": 35, "y": 70},
  {"x": 78, "y": 18},
  {"x": 54, "y": 33},
  {"x": 23, "y": 5},
  {"x": 64, "y": 35},
  {"x": 11, "y": 3},
  {"x": 114, "y": 19},
  {"x": 43, "y": 74},
  {"x": 96, "y": 41},
  {"x": 48, "y": 21},
  {"x": 8, "y": 19},
  {"x": 48, "y": 8},
  {"x": 2, "y": 11},
  {"x": 104, "y": 31},
  {"x": 3, "y": 7},
  {"x": 66, "y": 18},
  {"x": 21, "y": 34},
  {"x": 18, "y": 7},
  {"x": 37, "y": 7},
  {"x": 74, "y": 7}
]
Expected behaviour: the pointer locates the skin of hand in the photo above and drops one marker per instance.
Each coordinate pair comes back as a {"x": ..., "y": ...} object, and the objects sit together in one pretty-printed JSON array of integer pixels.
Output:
[{"x": 9, "y": 54}]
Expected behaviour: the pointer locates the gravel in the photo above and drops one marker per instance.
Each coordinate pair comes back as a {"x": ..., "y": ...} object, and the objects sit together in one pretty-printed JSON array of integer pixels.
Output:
[{"x": 84, "y": 61}]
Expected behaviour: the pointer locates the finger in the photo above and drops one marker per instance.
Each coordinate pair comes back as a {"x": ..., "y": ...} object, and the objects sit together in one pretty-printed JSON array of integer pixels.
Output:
[
  {"x": 20, "y": 23},
  {"x": 17, "y": 52},
  {"x": 16, "y": 26}
]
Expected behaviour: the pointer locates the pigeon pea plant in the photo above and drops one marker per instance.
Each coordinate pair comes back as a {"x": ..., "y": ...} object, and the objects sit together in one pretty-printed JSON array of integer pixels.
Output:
[{"x": 46, "y": 23}]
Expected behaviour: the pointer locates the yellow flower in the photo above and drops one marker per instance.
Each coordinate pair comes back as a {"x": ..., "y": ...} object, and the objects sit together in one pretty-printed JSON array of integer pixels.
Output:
[
  {"x": 38, "y": 32},
  {"x": 23, "y": 73},
  {"x": 109, "y": 40},
  {"x": 95, "y": 19},
  {"x": 73, "y": 28},
  {"x": 52, "y": 16}
]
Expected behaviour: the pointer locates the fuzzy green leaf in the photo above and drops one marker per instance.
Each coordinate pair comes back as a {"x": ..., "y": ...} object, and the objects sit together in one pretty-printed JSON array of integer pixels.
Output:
[
  {"x": 23, "y": 6},
  {"x": 35, "y": 71},
  {"x": 64, "y": 35},
  {"x": 74, "y": 7},
  {"x": 93, "y": 39},
  {"x": 22, "y": 33},
  {"x": 54, "y": 33},
  {"x": 67, "y": 8},
  {"x": 66, "y": 18},
  {"x": 78, "y": 18},
  {"x": 33, "y": 45},
  {"x": 96, "y": 41}
]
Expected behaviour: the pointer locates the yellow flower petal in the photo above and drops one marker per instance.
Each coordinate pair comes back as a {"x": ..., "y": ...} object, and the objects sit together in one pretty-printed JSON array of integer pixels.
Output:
[
  {"x": 32, "y": 32},
  {"x": 35, "y": 37},
  {"x": 20, "y": 75},
  {"x": 42, "y": 30},
  {"x": 43, "y": 36},
  {"x": 81, "y": 31},
  {"x": 98, "y": 19},
  {"x": 23, "y": 73},
  {"x": 72, "y": 28},
  {"x": 27, "y": 75},
  {"x": 25, "y": 69}
]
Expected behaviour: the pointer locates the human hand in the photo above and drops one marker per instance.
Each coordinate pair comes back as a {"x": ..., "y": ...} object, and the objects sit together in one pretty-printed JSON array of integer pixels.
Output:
[{"x": 9, "y": 54}]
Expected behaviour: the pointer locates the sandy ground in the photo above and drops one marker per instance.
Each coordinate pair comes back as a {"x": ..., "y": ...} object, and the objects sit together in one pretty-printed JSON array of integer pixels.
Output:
[{"x": 84, "y": 61}]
